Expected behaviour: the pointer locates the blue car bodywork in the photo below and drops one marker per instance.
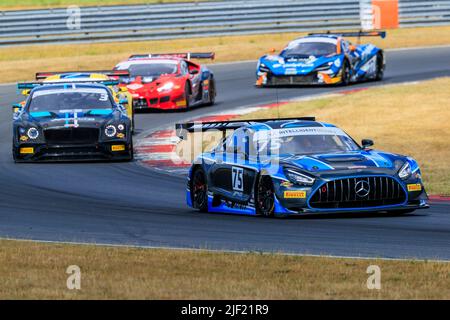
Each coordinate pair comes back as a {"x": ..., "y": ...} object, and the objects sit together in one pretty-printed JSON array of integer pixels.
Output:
[
  {"x": 360, "y": 179},
  {"x": 322, "y": 59}
]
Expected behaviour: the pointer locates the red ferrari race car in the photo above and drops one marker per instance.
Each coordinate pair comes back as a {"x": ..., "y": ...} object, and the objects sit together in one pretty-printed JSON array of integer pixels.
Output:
[{"x": 168, "y": 81}]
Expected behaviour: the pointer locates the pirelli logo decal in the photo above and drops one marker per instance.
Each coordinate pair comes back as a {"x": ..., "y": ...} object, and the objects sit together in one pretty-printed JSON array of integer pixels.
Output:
[
  {"x": 414, "y": 187},
  {"x": 119, "y": 147},
  {"x": 26, "y": 150},
  {"x": 295, "y": 194}
]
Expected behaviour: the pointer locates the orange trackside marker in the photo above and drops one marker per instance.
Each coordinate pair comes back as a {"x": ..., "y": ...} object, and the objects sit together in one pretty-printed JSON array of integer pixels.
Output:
[{"x": 385, "y": 14}]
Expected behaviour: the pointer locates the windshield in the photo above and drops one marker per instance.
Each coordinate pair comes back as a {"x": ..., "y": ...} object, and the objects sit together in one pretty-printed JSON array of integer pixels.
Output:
[
  {"x": 70, "y": 99},
  {"x": 303, "y": 141},
  {"x": 152, "y": 69},
  {"x": 306, "y": 49}
]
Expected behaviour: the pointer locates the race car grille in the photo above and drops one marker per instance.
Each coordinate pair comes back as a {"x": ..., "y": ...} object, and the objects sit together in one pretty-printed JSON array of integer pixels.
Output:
[
  {"x": 71, "y": 136},
  {"x": 363, "y": 192},
  {"x": 143, "y": 103},
  {"x": 293, "y": 80}
]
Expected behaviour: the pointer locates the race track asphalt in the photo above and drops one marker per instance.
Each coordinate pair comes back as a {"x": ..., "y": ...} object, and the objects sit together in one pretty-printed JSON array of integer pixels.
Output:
[{"x": 127, "y": 204}]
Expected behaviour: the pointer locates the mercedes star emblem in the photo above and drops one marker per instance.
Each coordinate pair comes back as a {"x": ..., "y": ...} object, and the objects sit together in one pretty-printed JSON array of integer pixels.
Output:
[{"x": 362, "y": 188}]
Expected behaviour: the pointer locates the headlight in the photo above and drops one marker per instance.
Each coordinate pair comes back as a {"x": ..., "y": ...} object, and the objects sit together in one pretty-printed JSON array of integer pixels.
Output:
[
  {"x": 33, "y": 133},
  {"x": 263, "y": 68},
  {"x": 110, "y": 131},
  {"x": 166, "y": 87},
  {"x": 405, "y": 171},
  {"x": 298, "y": 178},
  {"x": 325, "y": 66}
]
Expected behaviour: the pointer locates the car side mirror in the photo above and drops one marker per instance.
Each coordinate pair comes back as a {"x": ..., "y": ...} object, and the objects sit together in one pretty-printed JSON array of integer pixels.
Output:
[
  {"x": 26, "y": 92},
  {"x": 366, "y": 143},
  {"x": 352, "y": 48},
  {"x": 16, "y": 108},
  {"x": 193, "y": 71},
  {"x": 123, "y": 89}
]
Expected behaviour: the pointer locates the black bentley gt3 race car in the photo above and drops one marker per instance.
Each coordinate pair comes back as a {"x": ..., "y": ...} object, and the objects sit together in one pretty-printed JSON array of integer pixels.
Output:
[{"x": 71, "y": 122}]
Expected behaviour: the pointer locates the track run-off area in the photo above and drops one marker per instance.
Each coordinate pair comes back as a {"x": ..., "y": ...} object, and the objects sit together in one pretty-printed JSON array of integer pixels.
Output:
[{"x": 128, "y": 204}]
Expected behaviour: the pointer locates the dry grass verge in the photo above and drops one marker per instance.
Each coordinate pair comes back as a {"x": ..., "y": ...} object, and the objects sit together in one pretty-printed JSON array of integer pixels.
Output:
[
  {"x": 21, "y": 63},
  {"x": 38, "y": 271},
  {"x": 42, "y": 4},
  {"x": 408, "y": 119}
]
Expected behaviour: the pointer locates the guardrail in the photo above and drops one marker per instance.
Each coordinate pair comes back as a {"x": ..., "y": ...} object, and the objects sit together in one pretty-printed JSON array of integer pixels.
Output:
[
  {"x": 200, "y": 19},
  {"x": 424, "y": 13}
]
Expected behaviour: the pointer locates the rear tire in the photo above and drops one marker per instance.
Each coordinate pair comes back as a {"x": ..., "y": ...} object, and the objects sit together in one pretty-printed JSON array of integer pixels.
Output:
[
  {"x": 199, "y": 190},
  {"x": 265, "y": 197}
]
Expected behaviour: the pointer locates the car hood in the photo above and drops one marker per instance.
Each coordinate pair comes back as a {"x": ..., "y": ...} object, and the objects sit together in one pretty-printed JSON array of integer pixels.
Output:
[
  {"x": 148, "y": 85},
  {"x": 279, "y": 65},
  {"x": 359, "y": 161},
  {"x": 71, "y": 118}
]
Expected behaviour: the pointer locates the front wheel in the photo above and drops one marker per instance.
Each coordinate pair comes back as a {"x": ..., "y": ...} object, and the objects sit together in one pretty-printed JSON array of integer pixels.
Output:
[
  {"x": 187, "y": 92},
  {"x": 199, "y": 190},
  {"x": 212, "y": 93},
  {"x": 265, "y": 197},
  {"x": 130, "y": 152},
  {"x": 380, "y": 68},
  {"x": 133, "y": 123},
  {"x": 345, "y": 80}
]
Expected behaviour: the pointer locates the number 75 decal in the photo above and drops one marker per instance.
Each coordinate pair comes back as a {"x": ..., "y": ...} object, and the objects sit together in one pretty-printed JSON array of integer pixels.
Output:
[{"x": 237, "y": 178}]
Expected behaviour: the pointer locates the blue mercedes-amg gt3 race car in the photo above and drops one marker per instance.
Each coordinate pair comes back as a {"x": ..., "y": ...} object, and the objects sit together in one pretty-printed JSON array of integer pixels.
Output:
[
  {"x": 298, "y": 166},
  {"x": 322, "y": 59}
]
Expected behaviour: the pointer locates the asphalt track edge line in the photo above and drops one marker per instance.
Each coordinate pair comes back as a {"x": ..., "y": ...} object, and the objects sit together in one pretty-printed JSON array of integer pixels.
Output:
[
  {"x": 249, "y": 61},
  {"x": 225, "y": 251}
]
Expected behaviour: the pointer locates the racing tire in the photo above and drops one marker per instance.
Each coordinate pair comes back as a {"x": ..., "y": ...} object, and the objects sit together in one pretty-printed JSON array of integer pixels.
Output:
[
  {"x": 187, "y": 92},
  {"x": 265, "y": 197},
  {"x": 380, "y": 68},
  {"x": 199, "y": 190},
  {"x": 212, "y": 93},
  {"x": 131, "y": 153},
  {"x": 133, "y": 123},
  {"x": 345, "y": 81},
  {"x": 14, "y": 155}
]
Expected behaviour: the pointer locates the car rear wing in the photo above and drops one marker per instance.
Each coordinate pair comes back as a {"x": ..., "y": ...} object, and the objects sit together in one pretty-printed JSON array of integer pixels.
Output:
[
  {"x": 187, "y": 55},
  {"x": 109, "y": 73},
  {"x": 224, "y": 126},
  {"x": 356, "y": 34},
  {"x": 32, "y": 85}
]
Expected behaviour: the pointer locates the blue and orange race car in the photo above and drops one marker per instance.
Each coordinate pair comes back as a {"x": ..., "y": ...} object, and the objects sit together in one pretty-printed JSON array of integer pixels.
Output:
[
  {"x": 298, "y": 166},
  {"x": 322, "y": 59}
]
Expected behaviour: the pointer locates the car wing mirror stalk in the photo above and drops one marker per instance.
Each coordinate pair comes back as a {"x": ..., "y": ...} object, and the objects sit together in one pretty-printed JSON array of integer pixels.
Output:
[{"x": 366, "y": 143}]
